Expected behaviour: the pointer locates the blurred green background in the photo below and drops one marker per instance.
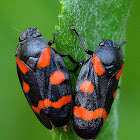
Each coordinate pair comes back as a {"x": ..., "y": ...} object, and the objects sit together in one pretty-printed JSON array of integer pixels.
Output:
[{"x": 17, "y": 120}]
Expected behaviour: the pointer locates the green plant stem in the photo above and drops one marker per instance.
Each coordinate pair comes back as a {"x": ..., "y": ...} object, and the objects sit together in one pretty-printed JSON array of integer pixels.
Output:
[{"x": 94, "y": 20}]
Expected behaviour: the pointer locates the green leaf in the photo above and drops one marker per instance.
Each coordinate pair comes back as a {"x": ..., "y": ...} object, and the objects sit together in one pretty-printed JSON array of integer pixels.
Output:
[{"x": 94, "y": 20}]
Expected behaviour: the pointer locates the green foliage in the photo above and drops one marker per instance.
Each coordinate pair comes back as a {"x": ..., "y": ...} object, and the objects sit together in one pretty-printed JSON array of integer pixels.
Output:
[{"x": 94, "y": 20}]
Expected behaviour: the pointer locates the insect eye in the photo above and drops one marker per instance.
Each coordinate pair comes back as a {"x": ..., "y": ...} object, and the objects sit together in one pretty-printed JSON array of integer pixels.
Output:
[
  {"x": 21, "y": 39},
  {"x": 102, "y": 44}
]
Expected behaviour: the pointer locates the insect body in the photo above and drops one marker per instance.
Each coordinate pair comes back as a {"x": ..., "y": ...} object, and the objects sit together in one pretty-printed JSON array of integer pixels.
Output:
[
  {"x": 96, "y": 88},
  {"x": 44, "y": 79}
]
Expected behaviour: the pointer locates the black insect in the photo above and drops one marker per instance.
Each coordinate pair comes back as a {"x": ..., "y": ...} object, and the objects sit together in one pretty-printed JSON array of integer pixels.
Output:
[
  {"x": 96, "y": 87},
  {"x": 44, "y": 78}
]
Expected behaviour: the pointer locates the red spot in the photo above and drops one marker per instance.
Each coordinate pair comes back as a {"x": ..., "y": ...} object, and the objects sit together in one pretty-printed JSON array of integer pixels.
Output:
[
  {"x": 97, "y": 65},
  {"x": 57, "y": 77},
  {"x": 104, "y": 115},
  {"x": 24, "y": 69},
  {"x": 41, "y": 105},
  {"x": 61, "y": 102},
  {"x": 118, "y": 75},
  {"x": 114, "y": 94},
  {"x": 87, "y": 87},
  {"x": 35, "y": 109},
  {"x": 45, "y": 57},
  {"x": 47, "y": 103},
  {"x": 89, "y": 115},
  {"x": 26, "y": 87}
]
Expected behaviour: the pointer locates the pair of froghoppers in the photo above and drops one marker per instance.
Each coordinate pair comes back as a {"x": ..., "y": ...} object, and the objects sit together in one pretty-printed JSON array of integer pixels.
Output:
[{"x": 47, "y": 86}]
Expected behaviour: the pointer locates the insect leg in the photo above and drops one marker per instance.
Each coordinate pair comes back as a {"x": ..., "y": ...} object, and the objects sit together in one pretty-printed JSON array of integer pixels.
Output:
[
  {"x": 79, "y": 63},
  {"x": 82, "y": 42},
  {"x": 52, "y": 41}
]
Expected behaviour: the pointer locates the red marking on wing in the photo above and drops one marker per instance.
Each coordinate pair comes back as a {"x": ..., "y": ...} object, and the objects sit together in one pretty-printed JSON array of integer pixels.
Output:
[
  {"x": 42, "y": 104},
  {"x": 114, "y": 94},
  {"x": 24, "y": 69},
  {"x": 57, "y": 77},
  {"x": 89, "y": 115},
  {"x": 87, "y": 87},
  {"x": 26, "y": 87},
  {"x": 97, "y": 65},
  {"x": 118, "y": 75},
  {"x": 35, "y": 109},
  {"x": 45, "y": 57}
]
